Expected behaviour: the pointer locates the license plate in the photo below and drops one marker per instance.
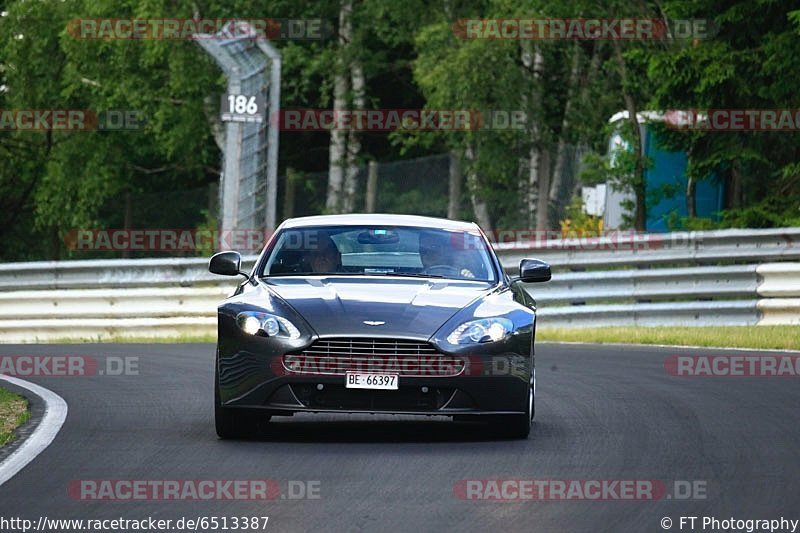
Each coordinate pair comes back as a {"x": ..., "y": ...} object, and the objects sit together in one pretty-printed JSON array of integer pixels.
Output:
[{"x": 356, "y": 380}]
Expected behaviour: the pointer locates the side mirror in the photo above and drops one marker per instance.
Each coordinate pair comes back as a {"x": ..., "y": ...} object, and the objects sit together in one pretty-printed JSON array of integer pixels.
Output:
[
  {"x": 533, "y": 271},
  {"x": 226, "y": 264}
]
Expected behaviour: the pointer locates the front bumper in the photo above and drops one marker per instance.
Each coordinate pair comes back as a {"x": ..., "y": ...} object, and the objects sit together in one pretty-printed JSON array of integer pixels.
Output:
[
  {"x": 423, "y": 396},
  {"x": 252, "y": 375}
]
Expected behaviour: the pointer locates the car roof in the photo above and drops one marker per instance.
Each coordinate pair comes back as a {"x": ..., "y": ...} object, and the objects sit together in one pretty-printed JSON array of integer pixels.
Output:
[{"x": 379, "y": 219}]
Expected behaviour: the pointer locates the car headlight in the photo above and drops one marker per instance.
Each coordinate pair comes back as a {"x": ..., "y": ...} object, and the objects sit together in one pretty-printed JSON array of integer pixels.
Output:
[
  {"x": 254, "y": 323},
  {"x": 483, "y": 330}
]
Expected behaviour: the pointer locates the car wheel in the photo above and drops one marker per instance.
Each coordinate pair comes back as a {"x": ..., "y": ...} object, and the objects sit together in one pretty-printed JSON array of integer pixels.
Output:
[
  {"x": 235, "y": 423},
  {"x": 517, "y": 426}
]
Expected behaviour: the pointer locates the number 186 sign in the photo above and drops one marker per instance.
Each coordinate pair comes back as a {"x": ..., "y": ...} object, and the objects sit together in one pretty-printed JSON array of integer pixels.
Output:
[{"x": 242, "y": 108}]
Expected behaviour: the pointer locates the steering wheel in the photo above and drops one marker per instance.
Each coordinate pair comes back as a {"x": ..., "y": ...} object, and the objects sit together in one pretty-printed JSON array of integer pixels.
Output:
[{"x": 442, "y": 270}]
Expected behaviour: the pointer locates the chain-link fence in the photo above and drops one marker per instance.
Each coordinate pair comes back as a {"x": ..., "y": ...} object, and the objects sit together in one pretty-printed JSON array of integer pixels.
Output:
[
  {"x": 414, "y": 186},
  {"x": 419, "y": 186},
  {"x": 134, "y": 225}
]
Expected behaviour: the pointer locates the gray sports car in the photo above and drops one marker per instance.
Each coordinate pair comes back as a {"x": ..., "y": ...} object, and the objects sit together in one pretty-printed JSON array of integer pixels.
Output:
[{"x": 376, "y": 314}]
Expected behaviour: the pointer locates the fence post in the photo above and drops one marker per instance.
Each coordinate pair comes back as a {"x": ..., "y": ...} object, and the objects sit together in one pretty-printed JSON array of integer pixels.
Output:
[
  {"x": 292, "y": 177},
  {"x": 454, "y": 188},
  {"x": 372, "y": 187}
]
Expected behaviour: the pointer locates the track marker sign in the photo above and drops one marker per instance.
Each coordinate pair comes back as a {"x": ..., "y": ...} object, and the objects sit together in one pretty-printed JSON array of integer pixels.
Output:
[{"x": 242, "y": 108}]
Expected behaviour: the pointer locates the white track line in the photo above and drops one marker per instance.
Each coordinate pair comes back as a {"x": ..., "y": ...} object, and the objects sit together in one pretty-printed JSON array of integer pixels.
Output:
[
  {"x": 55, "y": 412},
  {"x": 676, "y": 346}
]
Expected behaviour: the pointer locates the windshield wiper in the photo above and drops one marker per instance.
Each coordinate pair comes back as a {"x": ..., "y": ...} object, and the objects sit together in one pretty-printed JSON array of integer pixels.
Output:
[
  {"x": 404, "y": 274},
  {"x": 400, "y": 274},
  {"x": 308, "y": 274}
]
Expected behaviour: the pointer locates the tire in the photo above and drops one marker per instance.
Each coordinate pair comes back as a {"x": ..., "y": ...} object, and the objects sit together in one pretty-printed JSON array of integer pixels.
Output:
[
  {"x": 238, "y": 423},
  {"x": 517, "y": 426}
]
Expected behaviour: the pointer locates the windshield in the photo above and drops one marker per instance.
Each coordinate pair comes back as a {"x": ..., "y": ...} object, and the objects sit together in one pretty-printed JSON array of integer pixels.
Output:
[{"x": 380, "y": 251}]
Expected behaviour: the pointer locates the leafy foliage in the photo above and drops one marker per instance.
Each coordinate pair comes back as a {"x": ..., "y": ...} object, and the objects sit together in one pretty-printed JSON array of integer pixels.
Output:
[{"x": 54, "y": 182}]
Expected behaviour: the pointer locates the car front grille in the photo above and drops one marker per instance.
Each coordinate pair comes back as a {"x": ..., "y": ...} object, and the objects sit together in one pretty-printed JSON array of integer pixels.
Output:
[{"x": 335, "y": 357}]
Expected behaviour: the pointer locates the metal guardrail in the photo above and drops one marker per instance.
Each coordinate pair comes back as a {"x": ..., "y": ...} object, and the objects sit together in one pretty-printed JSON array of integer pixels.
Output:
[
  {"x": 111, "y": 303},
  {"x": 706, "y": 282},
  {"x": 107, "y": 273},
  {"x": 779, "y": 280},
  {"x": 177, "y": 296},
  {"x": 706, "y": 313},
  {"x": 658, "y": 249},
  {"x": 626, "y": 250}
]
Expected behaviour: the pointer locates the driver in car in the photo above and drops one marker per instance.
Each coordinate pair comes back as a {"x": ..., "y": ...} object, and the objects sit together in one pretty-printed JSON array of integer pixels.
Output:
[
  {"x": 437, "y": 256},
  {"x": 325, "y": 256}
]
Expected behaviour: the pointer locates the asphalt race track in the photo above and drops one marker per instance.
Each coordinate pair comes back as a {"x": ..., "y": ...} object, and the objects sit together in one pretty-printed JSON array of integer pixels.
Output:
[{"x": 602, "y": 413}]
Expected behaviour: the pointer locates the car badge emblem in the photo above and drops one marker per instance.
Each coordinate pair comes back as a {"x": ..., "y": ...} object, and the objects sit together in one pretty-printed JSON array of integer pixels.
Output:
[{"x": 374, "y": 322}]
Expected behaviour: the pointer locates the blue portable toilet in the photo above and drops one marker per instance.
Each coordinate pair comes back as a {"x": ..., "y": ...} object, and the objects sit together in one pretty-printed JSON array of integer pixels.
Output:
[{"x": 665, "y": 182}]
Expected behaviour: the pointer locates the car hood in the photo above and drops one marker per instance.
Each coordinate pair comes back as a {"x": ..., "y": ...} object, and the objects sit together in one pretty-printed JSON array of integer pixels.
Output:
[{"x": 407, "y": 308}]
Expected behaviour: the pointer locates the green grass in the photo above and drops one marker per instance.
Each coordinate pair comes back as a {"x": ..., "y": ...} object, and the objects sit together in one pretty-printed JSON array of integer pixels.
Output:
[
  {"x": 13, "y": 413},
  {"x": 758, "y": 337}
]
